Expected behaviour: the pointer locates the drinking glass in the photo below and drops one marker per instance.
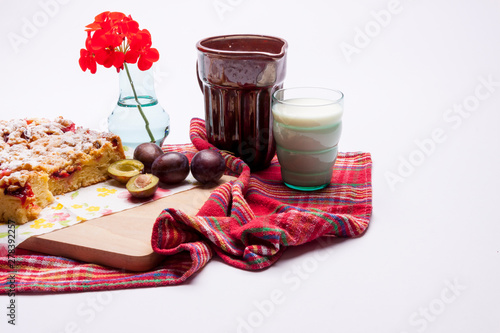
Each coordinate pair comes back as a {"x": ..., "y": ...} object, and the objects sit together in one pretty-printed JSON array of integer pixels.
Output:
[{"x": 307, "y": 127}]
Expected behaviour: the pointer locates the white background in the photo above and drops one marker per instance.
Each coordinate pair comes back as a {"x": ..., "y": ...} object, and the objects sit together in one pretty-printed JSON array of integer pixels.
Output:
[{"x": 435, "y": 225}]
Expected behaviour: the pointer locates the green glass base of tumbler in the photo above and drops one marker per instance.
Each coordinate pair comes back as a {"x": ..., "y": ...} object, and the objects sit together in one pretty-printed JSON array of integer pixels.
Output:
[{"x": 306, "y": 188}]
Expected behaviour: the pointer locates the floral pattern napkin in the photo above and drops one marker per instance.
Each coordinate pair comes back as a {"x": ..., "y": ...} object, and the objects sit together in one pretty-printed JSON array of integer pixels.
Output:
[{"x": 84, "y": 204}]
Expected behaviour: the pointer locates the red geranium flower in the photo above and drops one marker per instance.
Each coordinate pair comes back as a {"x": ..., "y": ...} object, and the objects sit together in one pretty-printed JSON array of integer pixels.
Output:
[
  {"x": 87, "y": 59},
  {"x": 141, "y": 51},
  {"x": 115, "y": 39}
]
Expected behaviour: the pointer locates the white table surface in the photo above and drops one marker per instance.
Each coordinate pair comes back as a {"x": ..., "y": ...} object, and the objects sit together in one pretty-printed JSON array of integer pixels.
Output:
[{"x": 429, "y": 261}]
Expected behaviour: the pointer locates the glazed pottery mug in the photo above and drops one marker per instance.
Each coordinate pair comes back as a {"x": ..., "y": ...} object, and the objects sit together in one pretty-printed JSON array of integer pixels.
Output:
[{"x": 238, "y": 75}]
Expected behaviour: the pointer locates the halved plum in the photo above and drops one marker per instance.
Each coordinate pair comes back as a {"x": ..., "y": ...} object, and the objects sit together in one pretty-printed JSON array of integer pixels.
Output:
[
  {"x": 143, "y": 186},
  {"x": 123, "y": 170}
]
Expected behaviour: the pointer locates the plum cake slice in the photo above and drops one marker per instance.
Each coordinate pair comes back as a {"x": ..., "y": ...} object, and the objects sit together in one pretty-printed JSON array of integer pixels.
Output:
[{"x": 40, "y": 158}]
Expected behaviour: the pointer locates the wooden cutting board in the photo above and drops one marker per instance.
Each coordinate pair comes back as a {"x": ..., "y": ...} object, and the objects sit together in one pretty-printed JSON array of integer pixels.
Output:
[{"x": 121, "y": 240}]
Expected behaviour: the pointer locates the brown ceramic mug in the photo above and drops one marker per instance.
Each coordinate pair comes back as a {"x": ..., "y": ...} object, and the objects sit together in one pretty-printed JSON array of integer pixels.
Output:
[{"x": 238, "y": 75}]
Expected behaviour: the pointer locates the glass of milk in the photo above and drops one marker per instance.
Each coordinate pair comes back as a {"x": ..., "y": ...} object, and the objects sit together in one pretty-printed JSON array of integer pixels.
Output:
[{"x": 307, "y": 127}]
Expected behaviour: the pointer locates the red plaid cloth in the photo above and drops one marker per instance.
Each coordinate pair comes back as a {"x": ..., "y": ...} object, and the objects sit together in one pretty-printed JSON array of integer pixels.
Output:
[{"x": 248, "y": 222}]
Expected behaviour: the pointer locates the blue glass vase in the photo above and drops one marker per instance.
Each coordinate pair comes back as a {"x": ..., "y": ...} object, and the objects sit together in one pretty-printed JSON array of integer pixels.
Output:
[{"x": 126, "y": 120}]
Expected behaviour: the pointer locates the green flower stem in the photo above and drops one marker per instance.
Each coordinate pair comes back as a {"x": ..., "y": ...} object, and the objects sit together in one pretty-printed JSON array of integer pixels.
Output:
[{"x": 151, "y": 136}]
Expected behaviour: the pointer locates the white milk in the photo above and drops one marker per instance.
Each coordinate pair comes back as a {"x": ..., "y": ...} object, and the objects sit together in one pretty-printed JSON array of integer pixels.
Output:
[
  {"x": 308, "y": 112},
  {"x": 307, "y": 131}
]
